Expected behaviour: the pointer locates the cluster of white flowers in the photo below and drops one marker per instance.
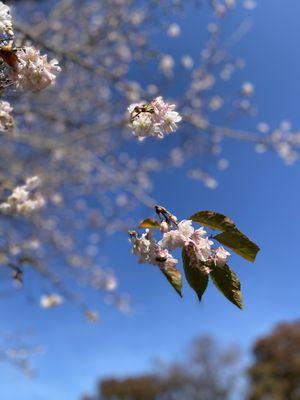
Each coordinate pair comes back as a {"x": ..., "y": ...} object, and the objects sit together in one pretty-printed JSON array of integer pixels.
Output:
[
  {"x": 30, "y": 70},
  {"x": 51, "y": 300},
  {"x": 198, "y": 245},
  {"x": 5, "y": 20},
  {"x": 23, "y": 200},
  {"x": 34, "y": 71},
  {"x": 149, "y": 251},
  {"x": 6, "y": 119},
  {"x": 153, "y": 119}
]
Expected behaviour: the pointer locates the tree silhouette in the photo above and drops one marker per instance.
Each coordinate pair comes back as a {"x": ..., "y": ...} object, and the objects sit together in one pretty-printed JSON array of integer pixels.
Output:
[
  {"x": 208, "y": 373},
  {"x": 275, "y": 373}
]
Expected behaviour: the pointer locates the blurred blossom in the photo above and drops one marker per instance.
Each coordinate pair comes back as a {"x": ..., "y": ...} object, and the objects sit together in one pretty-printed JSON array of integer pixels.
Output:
[
  {"x": 250, "y": 4},
  {"x": 5, "y": 20},
  {"x": 22, "y": 200},
  {"x": 263, "y": 127},
  {"x": 187, "y": 61},
  {"x": 223, "y": 164},
  {"x": 177, "y": 157},
  {"x": 6, "y": 118},
  {"x": 50, "y": 301},
  {"x": 174, "y": 30},
  {"x": 260, "y": 148},
  {"x": 212, "y": 27},
  {"x": 247, "y": 89},
  {"x": 207, "y": 180},
  {"x": 216, "y": 103},
  {"x": 230, "y": 3},
  {"x": 227, "y": 72},
  {"x": 166, "y": 65}
]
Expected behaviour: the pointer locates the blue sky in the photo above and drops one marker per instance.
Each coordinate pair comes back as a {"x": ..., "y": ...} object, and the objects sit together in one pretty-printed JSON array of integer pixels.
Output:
[{"x": 257, "y": 191}]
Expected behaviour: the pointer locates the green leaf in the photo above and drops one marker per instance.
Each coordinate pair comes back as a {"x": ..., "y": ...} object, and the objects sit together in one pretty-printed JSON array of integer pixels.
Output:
[
  {"x": 228, "y": 283},
  {"x": 174, "y": 277},
  {"x": 150, "y": 223},
  {"x": 239, "y": 243},
  {"x": 213, "y": 220},
  {"x": 230, "y": 236},
  {"x": 195, "y": 277}
]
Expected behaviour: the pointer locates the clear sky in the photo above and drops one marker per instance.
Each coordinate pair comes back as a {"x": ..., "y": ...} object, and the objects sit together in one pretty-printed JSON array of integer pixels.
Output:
[{"x": 257, "y": 191}]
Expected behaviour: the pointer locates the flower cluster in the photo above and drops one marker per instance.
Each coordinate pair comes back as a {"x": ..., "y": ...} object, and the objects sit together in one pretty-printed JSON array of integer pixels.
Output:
[
  {"x": 5, "y": 20},
  {"x": 30, "y": 70},
  {"x": 23, "y": 200},
  {"x": 153, "y": 119},
  {"x": 34, "y": 71},
  {"x": 6, "y": 119},
  {"x": 150, "y": 251},
  {"x": 197, "y": 244}
]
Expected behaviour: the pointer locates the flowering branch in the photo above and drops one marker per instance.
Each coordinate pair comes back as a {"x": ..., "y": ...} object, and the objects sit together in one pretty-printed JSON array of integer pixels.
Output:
[{"x": 200, "y": 257}]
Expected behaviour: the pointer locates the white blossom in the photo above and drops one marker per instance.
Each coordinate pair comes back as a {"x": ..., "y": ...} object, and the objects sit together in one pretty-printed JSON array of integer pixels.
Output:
[
  {"x": 166, "y": 65},
  {"x": 34, "y": 71},
  {"x": 187, "y": 61},
  {"x": 197, "y": 244},
  {"x": 151, "y": 252},
  {"x": 174, "y": 30},
  {"x": 247, "y": 89},
  {"x": 221, "y": 256},
  {"x": 178, "y": 237},
  {"x": 203, "y": 248},
  {"x": 50, "y": 301},
  {"x": 153, "y": 119},
  {"x": 6, "y": 119},
  {"x": 22, "y": 201},
  {"x": 165, "y": 227},
  {"x": 5, "y": 19}
]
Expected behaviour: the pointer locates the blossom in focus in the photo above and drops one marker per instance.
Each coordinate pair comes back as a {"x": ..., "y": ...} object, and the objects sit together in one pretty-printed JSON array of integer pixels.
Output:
[
  {"x": 151, "y": 252},
  {"x": 6, "y": 119},
  {"x": 178, "y": 237},
  {"x": 34, "y": 71},
  {"x": 221, "y": 256},
  {"x": 153, "y": 119},
  {"x": 5, "y": 20},
  {"x": 51, "y": 300}
]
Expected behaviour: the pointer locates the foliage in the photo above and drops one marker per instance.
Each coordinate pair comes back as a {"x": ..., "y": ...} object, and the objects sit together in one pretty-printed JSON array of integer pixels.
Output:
[
  {"x": 208, "y": 373},
  {"x": 275, "y": 370}
]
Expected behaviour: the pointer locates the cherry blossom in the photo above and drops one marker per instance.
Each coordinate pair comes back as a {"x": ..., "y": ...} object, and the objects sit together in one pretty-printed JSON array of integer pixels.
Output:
[{"x": 153, "y": 119}]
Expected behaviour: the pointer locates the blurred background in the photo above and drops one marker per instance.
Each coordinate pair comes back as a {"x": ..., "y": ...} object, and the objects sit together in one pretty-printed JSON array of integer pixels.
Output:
[{"x": 232, "y": 69}]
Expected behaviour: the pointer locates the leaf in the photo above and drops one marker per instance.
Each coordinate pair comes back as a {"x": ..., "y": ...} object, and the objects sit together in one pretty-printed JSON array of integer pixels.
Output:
[
  {"x": 150, "y": 223},
  {"x": 230, "y": 236},
  {"x": 228, "y": 283},
  {"x": 239, "y": 243},
  {"x": 213, "y": 220},
  {"x": 196, "y": 278},
  {"x": 174, "y": 277}
]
